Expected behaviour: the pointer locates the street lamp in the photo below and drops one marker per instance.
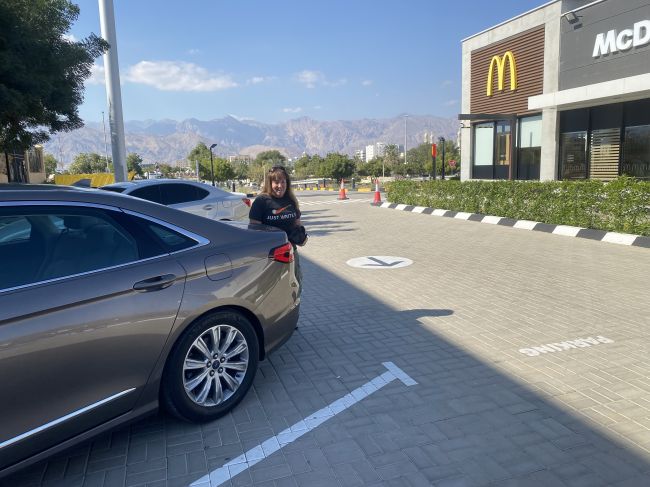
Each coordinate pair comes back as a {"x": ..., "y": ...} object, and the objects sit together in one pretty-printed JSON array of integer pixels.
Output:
[
  {"x": 405, "y": 118},
  {"x": 212, "y": 162}
]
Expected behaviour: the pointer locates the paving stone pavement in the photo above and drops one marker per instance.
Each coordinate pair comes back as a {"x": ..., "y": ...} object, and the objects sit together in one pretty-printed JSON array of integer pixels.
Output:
[{"x": 458, "y": 321}]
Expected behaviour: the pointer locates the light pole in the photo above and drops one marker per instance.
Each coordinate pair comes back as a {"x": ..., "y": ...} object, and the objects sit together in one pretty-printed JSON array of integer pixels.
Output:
[
  {"x": 441, "y": 141},
  {"x": 405, "y": 119},
  {"x": 105, "y": 145},
  {"x": 212, "y": 162}
]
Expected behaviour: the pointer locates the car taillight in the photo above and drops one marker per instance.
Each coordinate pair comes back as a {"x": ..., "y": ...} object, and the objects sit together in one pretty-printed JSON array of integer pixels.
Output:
[
  {"x": 247, "y": 201},
  {"x": 283, "y": 253}
]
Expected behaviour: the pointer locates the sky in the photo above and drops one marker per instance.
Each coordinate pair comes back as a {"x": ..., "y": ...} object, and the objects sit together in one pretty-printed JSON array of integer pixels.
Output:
[{"x": 273, "y": 61}]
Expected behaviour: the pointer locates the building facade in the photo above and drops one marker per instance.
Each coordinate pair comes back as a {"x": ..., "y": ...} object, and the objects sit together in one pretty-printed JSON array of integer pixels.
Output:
[
  {"x": 27, "y": 167},
  {"x": 560, "y": 92}
]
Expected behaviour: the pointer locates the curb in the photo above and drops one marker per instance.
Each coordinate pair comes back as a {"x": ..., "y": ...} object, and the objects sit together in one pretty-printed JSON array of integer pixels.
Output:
[{"x": 565, "y": 230}]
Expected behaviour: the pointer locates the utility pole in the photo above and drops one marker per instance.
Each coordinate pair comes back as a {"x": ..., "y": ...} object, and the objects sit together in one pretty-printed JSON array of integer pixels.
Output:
[
  {"x": 105, "y": 145},
  {"x": 113, "y": 90},
  {"x": 405, "y": 119},
  {"x": 441, "y": 140}
]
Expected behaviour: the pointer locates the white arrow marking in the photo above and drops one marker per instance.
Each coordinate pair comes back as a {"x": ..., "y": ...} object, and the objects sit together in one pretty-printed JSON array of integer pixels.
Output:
[{"x": 269, "y": 447}]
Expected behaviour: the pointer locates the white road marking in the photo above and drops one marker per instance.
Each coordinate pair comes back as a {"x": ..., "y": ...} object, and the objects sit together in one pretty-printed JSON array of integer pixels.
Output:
[
  {"x": 564, "y": 345},
  {"x": 333, "y": 202},
  {"x": 419, "y": 209},
  {"x": 379, "y": 262},
  {"x": 462, "y": 215},
  {"x": 439, "y": 212},
  {"x": 258, "y": 453}
]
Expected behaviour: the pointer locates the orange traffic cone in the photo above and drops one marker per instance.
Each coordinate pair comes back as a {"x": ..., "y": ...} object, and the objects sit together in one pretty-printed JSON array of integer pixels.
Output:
[
  {"x": 342, "y": 195},
  {"x": 377, "y": 200}
]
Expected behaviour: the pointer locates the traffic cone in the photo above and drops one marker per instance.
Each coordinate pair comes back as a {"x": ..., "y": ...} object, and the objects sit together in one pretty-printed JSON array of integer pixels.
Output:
[
  {"x": 377, "y": 199},
  {"x": 342, "y": 195}
]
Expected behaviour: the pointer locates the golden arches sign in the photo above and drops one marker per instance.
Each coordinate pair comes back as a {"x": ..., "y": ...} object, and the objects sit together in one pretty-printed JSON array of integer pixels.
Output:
[{"x": 500, "y": 63}]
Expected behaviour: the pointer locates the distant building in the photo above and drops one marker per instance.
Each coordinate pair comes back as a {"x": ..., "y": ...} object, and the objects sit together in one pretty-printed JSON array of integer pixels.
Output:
[
  {"x": 375, "y": 150},
  {"x": 360, "y": 154},
  {"x": 27, "y": 167},
  {"x": 240, "y": 158}
]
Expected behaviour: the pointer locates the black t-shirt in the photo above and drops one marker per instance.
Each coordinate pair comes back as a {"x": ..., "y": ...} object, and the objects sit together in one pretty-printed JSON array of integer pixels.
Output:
[{"x": 277, "y": 212}]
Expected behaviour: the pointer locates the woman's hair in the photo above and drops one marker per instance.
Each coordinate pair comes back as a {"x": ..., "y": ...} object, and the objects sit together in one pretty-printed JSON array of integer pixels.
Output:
[{"x": 277, "y": 173}]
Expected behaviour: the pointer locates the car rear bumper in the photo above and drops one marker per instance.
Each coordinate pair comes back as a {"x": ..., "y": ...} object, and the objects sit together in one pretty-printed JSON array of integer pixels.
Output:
[{"x": 282, "y": 329}]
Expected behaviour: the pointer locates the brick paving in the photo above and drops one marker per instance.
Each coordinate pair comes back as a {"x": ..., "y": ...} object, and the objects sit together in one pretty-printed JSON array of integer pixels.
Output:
[{"x": 482, "y": 414}]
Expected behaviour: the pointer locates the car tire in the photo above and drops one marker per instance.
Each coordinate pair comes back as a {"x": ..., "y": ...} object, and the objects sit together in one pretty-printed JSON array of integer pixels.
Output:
[{"x": 211, "y": 367}]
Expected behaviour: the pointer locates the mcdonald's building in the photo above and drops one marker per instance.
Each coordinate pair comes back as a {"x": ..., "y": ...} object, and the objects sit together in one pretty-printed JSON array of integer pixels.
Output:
[{"x": 559, "y": 92}]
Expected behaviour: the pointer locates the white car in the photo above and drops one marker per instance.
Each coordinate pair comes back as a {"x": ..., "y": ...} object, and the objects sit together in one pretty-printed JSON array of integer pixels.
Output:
[{"x": 191, "y": 196}]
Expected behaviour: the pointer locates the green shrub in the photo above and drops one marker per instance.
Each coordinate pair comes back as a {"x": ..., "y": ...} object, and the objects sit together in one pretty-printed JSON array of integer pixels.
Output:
[{"x": 622, "y": 205}]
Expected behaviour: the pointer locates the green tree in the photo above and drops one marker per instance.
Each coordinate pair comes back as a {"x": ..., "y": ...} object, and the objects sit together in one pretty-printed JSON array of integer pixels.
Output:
[
  {"x": 301, "y": 167},
  {"x": 42, "y": 72},
  {"x": 270, "y": 158},
  {"x": 50, "y": 163},
  {"x": 240, "y": 170},
  {"x": 134, "y": 163},
  {"x": 223, "y": 171},
  {"x": 201, "y": 153},
  {"x": 89, "y": 162},
  {"x": 337, "y": 166},
  {"x": 166, "y": 170},
  {"x": 391, "y": 158}
]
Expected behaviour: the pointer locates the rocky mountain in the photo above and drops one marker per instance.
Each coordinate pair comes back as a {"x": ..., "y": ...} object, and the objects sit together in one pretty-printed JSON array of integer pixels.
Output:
[{"x": 170, "y": 141}]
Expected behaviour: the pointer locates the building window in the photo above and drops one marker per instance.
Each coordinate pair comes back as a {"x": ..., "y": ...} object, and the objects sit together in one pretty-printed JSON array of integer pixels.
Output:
[
  {"x": 603, "y": 142},
  {"x": 636, "y": 152},
  {"x": 483, "y": 150},
  {"x": 574, "y": 128},
  {"x": 530, "y": 147}
]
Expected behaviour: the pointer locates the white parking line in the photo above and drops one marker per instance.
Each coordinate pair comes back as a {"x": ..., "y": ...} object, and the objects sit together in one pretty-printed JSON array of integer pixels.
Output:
[{"x": 269, "y": 447}]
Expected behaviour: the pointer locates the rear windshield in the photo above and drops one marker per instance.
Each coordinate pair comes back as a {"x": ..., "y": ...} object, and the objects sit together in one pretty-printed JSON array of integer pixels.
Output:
[{"x": 114, "y": 189}]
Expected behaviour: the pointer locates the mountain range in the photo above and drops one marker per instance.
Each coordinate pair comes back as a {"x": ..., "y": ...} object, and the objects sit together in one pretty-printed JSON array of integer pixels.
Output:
[{"x": 170, "y": 141}]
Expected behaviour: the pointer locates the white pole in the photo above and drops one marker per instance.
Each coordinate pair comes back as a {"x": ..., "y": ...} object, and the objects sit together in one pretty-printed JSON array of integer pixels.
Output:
[
  {"x": 405, "y": 118},
  {"x": 113, "y": 91},
  {"x": 105, "y": 145}
]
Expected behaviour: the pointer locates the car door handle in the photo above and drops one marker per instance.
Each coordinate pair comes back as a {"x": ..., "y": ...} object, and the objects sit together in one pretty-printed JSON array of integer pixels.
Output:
[
  {"x": 155, "y": 283},
  {"x": 208, "y": 207}
]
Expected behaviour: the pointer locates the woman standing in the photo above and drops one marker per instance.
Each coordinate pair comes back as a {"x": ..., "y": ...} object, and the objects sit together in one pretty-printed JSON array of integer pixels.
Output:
[{"x": 276, "y": 205}]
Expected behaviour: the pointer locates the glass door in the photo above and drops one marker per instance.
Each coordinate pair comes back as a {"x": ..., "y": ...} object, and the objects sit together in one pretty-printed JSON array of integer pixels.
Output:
[{"x": 503, "y": 151}]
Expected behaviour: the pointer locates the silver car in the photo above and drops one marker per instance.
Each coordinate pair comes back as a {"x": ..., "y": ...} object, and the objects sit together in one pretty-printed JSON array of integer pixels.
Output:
[
  {"x": 110, "y": 305},
  {"x": 191, "y": 196}
]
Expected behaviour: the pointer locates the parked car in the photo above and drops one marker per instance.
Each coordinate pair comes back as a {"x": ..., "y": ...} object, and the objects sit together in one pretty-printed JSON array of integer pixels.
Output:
[
  {"x": 191, "y": 196},
  {"x": 110, "y": 305}
]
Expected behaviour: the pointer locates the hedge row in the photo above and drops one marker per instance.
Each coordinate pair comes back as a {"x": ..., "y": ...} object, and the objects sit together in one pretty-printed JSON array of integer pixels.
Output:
[{"x": 622, "y": 205}]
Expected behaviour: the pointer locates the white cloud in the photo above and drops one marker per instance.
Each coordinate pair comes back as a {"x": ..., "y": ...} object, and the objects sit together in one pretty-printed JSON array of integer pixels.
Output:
[
  {"x": 255, "y": 80},
  {"x": 366, "y": 82},
  {"x": 193, "y": 52},
  {"x": 292, "y": 110},
  {"x": 446, "y": 83},
  {"x": 311, "y": 79},
  {"x": 96, "y": 75},
  {"x": 317, "y": 107},
  {"x": 69, "y": 37},
  {"x": 177, "y": 76},
  {"x": 450, "y": 103}
]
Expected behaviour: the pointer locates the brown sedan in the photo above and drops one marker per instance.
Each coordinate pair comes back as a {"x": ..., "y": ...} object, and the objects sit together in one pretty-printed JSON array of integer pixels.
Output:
[{"x": 110, "y": 305}]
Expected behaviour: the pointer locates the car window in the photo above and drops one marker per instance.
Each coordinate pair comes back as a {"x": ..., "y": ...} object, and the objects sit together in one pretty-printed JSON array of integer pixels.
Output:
[
  {"x": 173, "y": 241},
  {"x": 201, "y": 193},
  {"x": 43, "y": 242},
  {"x": 150, "y": 192},
  {"x": 14, "y": 229},
  {"x": 175, "y": 193}
]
